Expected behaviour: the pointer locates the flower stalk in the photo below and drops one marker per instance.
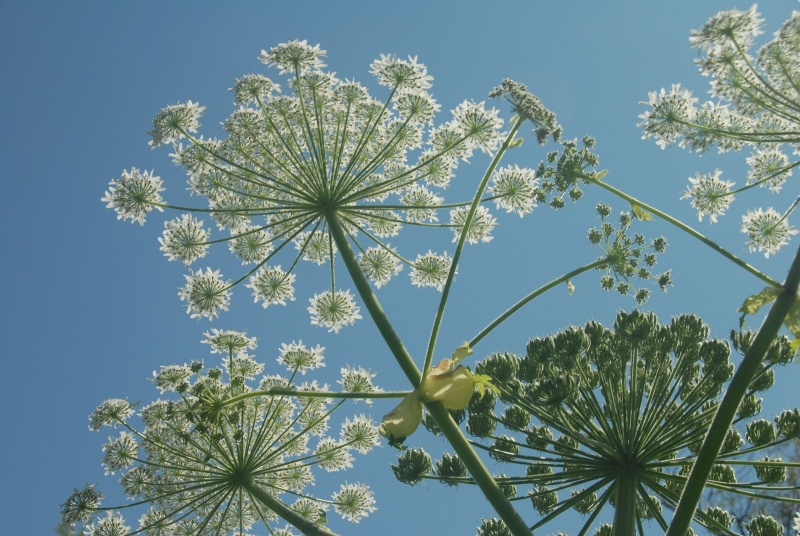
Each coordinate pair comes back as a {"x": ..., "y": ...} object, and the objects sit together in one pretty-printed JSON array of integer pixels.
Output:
[
  {"x": 478, "y": 470},
  {"x": 683, "y": 227},
  {"x": 299, "y": 522}
]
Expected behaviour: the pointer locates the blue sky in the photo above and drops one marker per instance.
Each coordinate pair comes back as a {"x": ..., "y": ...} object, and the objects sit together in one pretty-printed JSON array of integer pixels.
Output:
[{"x": 90, "y": 303}]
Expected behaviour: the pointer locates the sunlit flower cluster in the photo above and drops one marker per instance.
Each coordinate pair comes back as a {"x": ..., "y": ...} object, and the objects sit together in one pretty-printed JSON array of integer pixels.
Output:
[
  {"x": 756, "y": 105},
  {"x": 317, "y": 164},
  {"x": 223, "y": 452}
]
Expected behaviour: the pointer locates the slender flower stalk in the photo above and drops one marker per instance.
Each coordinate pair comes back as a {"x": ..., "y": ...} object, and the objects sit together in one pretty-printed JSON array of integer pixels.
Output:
[{"x": 683, "y": 227}]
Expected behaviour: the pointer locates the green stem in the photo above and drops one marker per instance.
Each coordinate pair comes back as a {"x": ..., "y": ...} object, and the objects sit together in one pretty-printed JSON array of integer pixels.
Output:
[
  {"x": 736, "y": 391},
  {"x": 683, "y": 227},
  {"x": 293, "y": 518},
  {"x": 627, "y": 485},
  {"x": 371, "y": 301},
  {"x": 437, "y": 322},
  {"x": 443, "y": 418},
  {"x": 288, "y": 391},
  {"x": 524, "y": 301}
]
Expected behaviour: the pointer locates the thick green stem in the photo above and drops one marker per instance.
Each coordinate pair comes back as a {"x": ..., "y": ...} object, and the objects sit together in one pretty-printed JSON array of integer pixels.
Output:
[
  {"x": 625, "y": 507},
  {"x": 683, "y": 227},
  {"x": 736, "y": 391},
  {"x": 287, "y": 514},
  {"x": 448, "y": 426}
]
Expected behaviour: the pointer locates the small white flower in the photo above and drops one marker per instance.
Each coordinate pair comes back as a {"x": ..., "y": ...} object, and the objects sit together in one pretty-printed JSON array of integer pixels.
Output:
[
  {"x": 380, "y": 264},
  {"x": 297, "y": 357},
  {"x": 514, "y": 189},
  {"x": 184, "y": 239},
  {"x": 354, "y": 501},
  {"x": 401, "y": 75},
  {"x": 430, "y": 270},
  {"x": 205, "y": 293},
  {"x": 174, "y": 122},
  {"x": 710, "y": 195},
  {"x": 767, "y": 230},
  {"x": 134, "y": 195},
  {"x": 294, "y": 56},
  {"x": 272, "y": 285},
  {"x": 480, "y": 228},
  {"x": 228, "y": 341},
  {"x": 333, "y": 310}
]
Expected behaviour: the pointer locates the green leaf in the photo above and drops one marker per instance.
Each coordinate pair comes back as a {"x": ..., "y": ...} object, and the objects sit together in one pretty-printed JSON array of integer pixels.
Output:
[
  {"x": 570, "y": 287},
  {"x": 792, "y": 320},
  {"x": 484, "y": 382},
  {"x": 755, "y": 302},
  {"x": 516, "y": 143},
  {"x": 640, "y": 213}
]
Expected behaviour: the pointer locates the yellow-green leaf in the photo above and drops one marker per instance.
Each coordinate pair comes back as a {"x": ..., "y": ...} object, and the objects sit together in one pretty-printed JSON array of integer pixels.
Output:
[
  {"x": 461, "y": 352},
  {"x": 792, "y": 320},
  {"x": 755, "y": 302},
  {"x": 600, "y": 174},
  {"x": 515, "y": 143},
  {"x": 640, "y": 213},
  {"x": 570, "y": 287},
  {"x": 484, "y": 382}
]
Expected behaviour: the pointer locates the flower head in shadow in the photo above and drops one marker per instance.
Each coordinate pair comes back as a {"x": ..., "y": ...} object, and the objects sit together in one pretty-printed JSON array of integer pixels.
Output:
[{"x": 594, "y": 418}]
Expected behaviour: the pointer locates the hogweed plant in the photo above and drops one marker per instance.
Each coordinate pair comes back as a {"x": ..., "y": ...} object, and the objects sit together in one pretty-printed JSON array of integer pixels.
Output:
[
  {"x": 315, "y": 169},
  {"x": 591, "y": 418},
  {"x": 231, "y": 448}
]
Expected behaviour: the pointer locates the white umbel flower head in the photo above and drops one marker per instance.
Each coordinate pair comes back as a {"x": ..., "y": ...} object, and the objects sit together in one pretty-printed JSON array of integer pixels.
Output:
[
  {"x": 767, "y": 230},
  {"x": 709, "y": 195},
  {"x": 134, "y": 195},
  {"x": 205, "y": 293},
  {"x": 184, "y": 239},
  {"x": 272, "y": 285},
  {"x": 354, "y": 501},
  {"x": 430, "y": 270},
  {"x": 297, "y": 357},
  {"x": 175, "y": 122},
  {"x": 333, "y": 310},
  {"x": 514, "y": 189},
  {"x": 480, "y": 228}
]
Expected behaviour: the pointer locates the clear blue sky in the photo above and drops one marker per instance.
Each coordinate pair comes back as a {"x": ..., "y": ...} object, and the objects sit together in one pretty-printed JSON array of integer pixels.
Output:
[{"x": 90, "y": 305}]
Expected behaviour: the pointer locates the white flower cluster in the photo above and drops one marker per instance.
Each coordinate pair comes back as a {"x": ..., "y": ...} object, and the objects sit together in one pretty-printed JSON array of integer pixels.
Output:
[
  {"x": 223, "y": 455},
  {"x": 756, "y": 106},
  {"x": 324, "y": 166}
]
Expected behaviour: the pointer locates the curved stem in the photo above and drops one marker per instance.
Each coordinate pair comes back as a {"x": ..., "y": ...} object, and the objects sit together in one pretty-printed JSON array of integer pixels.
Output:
[
  {"x": 437, "y": 322},
  {"x": 683, "y": 227},
  {"x": 730, "y": 402},
  {"x": 290, "y": 516},
  {"x": 443, "y": 418},
  {"x": 524, "y": 301}
]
